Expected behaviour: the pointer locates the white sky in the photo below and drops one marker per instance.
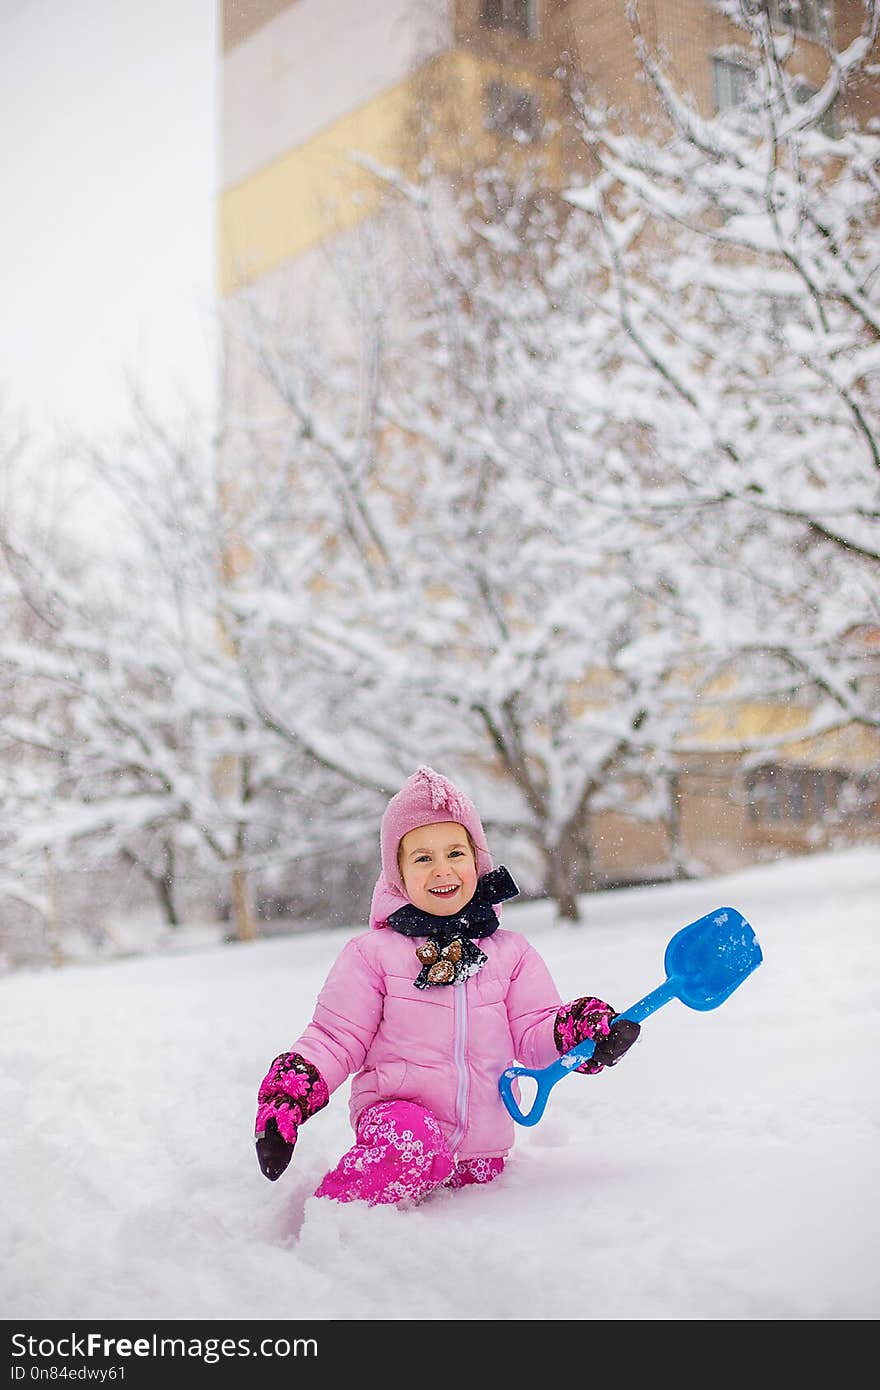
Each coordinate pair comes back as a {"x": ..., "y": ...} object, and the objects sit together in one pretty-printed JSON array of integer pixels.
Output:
[
  {"x": 726, "y": 1169},
  {"x": 108, "y": 169}
]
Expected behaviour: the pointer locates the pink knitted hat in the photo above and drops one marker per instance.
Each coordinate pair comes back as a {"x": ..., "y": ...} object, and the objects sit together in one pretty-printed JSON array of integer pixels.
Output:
[{"x": 427, "y": 798}]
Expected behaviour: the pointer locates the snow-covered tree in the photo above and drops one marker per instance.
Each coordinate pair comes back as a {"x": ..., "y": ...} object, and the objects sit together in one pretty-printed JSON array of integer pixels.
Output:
[
  {"x": 487, "y": 586},
  {"x": 583, "y": 476},
  {"x": 122, "y": 714},
  {"x": 545, "y": 487},
  {"x": 742, "y": 256}
]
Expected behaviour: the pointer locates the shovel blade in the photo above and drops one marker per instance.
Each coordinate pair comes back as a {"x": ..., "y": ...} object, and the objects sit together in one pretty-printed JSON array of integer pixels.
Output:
[
  {"x": 709, "y": 958},
  {"x": 704, "y": 962}
]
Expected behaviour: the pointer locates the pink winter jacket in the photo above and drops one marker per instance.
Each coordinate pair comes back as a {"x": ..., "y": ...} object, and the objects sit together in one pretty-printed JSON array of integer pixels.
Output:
[{"x": 443, "y": 1047}]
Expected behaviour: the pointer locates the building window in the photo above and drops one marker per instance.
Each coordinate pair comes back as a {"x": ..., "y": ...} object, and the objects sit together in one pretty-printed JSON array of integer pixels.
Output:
[
  {"x": 807, "y": 17},
  {"x": 827, "y": 788},
  {"x": 764, "y": 801},
  {"x": 805, "y": 796},
  {"x": 859, "y": 799},
  {"x": 520, "y": 16},
  {"x": 802, "y": 92},
  {"x": 511, "y": 111},
  {"x": 731, "y": 83}
]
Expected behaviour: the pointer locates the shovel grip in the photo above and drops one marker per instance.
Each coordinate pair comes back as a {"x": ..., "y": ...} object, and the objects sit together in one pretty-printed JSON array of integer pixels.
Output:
[
  {"x": 545, "y": 1078},
  {"x": 705, "y": 962}
]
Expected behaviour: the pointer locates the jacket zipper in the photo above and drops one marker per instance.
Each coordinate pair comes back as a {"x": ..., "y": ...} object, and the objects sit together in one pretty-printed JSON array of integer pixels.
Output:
[{"x": 459, "y": 1043}]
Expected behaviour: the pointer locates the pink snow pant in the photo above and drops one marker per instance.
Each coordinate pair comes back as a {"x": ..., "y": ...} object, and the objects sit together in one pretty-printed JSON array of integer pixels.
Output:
[{"x": 400, "y": 1155}]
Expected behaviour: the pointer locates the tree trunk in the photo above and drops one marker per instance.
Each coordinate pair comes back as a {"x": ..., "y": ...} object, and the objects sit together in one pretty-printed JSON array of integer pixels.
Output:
[
  {"x": 565, "y": 874},
  {"x": 165, "y": 886},
  {"x": 53, "y": 924},
  {"x": 165, "y": 889},
  {"x": 673, "y": 826},
  {"x": 245, "y": 921},
  {"x": 162, "y": 882}
]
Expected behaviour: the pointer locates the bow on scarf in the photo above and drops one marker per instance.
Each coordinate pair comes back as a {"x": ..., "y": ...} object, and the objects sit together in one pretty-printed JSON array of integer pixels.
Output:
[{"x": 449, "y": 955}]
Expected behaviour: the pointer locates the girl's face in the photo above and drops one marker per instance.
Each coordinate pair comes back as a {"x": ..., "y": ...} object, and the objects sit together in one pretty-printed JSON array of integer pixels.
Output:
[{"x": 439, "y": 868}]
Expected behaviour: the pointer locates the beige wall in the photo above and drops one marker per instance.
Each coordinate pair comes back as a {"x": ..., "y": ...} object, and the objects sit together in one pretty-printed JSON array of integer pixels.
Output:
[
  {"x": 307, "y": 84},
  {"x": 309, "y": 81},
  {"x": 313, "y": 65},
  {"x": 241, "y": 18}
]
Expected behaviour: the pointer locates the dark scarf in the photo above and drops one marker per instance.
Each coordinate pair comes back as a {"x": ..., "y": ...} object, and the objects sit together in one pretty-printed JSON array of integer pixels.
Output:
[{"x": 449, "y": 955}]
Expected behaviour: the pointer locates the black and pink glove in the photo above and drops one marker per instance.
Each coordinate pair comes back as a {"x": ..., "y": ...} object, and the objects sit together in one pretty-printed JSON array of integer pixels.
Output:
[
  {"x": 290, "y": 1093},
  {"x": 595, "y": 1020}
]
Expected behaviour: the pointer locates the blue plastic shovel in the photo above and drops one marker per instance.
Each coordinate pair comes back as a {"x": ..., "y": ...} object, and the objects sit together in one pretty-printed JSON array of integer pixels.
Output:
[{"x": 704, "y": 963}]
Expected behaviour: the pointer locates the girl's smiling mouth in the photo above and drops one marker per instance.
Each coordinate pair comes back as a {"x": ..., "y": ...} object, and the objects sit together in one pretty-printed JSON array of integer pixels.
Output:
[{"x": 445, "y": 890}]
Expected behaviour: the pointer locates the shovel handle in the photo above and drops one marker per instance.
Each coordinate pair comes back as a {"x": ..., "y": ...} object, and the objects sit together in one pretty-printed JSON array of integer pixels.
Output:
[{"x": 547, "y": 1077}]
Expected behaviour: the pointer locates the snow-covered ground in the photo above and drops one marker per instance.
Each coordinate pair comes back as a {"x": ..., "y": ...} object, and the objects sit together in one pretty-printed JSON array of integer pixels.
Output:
[{"x": 727, "y": 1169}]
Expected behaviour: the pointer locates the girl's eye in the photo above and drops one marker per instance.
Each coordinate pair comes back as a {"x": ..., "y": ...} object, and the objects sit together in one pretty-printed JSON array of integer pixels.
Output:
[
  {"x": 456, "y": 853},
  {"x": 423, "y": 859}
]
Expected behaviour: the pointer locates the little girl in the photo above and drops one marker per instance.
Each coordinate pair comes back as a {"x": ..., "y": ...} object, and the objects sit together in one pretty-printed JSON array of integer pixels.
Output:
[{"x": 426, "y": 1018}]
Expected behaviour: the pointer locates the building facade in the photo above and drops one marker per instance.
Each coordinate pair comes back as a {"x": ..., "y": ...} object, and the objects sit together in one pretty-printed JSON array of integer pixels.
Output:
[
  {"x": 313, "y": 91},
  {"x": 305, "y": 83}
]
